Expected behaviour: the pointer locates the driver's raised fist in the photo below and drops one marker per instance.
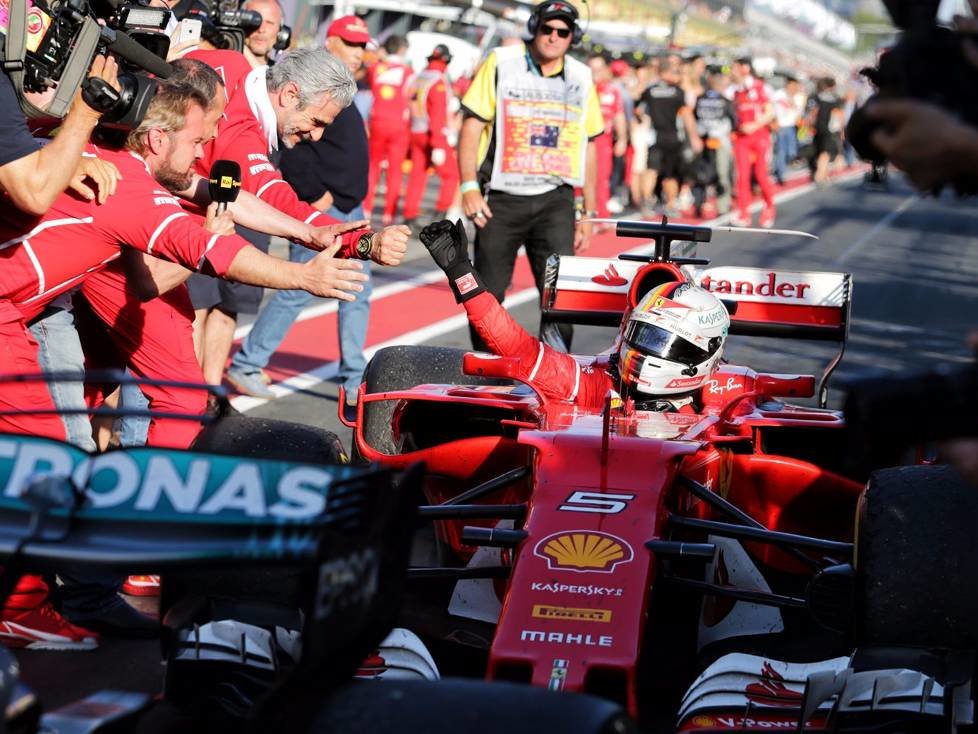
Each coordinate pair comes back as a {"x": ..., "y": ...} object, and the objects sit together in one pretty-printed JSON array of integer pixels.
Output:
[
  {"x": 447, "y": 243},
  {"x": 449, "y": 248}
]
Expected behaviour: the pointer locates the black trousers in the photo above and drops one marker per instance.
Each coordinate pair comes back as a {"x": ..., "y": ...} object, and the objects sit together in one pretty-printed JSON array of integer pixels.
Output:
[{"x": 544, "y": 224}]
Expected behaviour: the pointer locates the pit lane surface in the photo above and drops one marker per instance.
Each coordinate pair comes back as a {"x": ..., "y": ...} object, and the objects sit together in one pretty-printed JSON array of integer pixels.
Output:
[
  {"x": 915, "y": 276},
  {"x": 915, "y": 266}
]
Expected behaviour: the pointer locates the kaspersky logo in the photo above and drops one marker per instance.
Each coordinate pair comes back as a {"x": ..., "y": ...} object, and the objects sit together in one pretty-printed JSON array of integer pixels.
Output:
[
  {"x": 583, "y": 551},
  {"x": 609, "y": 277}
]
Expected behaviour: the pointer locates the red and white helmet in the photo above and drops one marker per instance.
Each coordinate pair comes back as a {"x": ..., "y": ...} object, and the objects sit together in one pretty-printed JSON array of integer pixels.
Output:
[{"x": 672, "y": 340}]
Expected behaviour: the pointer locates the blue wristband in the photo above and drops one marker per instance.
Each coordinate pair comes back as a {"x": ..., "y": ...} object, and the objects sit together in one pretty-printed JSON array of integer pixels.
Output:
[{"x": 468, "y": 186}]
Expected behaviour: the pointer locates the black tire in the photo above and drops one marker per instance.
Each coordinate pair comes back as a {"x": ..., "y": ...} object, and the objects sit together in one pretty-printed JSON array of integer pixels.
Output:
[
  {"x": 242, "y": 435},
  {"x": 401, "y": 368},
  {"x": 460, "y": 705},
  {"x": 917, "y": 557}
]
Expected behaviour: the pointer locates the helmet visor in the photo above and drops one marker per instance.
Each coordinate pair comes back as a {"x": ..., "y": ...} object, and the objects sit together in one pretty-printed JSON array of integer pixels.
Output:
[{"x": 659, "y": 342}]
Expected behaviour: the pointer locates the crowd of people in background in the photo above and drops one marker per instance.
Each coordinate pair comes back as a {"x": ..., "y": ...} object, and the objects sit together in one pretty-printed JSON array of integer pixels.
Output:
[{"x": 672, "y": 128}]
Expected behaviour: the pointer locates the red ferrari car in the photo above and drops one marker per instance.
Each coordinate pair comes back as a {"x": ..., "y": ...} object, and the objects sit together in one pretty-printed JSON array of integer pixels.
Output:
[{"x": 699, "y": 569}]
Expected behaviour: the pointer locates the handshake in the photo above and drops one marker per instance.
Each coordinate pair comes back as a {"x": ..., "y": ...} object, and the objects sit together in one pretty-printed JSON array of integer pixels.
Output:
[{"x": 449, "y": 248}]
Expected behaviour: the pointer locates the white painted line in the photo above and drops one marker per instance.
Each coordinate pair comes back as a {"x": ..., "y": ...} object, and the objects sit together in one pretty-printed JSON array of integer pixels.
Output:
[
  {"x": 876, "y": 228},
  {"x": 390, "y": 289},
  {"x": 327, "y": 371}
]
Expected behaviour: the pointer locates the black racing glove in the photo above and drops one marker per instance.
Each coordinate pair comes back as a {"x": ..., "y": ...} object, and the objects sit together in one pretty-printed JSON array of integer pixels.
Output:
[{"x": 449, "y": 248}]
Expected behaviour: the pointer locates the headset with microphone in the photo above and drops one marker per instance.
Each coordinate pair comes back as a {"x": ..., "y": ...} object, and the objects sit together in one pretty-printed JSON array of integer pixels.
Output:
[{"x": 550, "y": 6}]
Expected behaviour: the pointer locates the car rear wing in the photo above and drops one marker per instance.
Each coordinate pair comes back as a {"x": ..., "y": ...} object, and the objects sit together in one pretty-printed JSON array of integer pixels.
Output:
[
  {"x": 344, "y": 531},
  {"x": 770, "y": 302}
]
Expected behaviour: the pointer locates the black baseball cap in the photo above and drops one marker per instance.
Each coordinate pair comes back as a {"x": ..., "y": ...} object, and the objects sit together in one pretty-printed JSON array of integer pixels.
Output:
[{"x": 551, "y": 9}]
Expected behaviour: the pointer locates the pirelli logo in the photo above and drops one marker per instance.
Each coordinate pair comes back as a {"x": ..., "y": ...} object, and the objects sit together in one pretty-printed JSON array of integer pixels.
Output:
[{"x": 545, "y": 611}]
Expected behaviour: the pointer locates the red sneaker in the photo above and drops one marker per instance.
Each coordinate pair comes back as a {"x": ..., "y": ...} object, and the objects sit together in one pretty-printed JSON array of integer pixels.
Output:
[
  {"x": 142, "y": 586},
  {"x": 767, "y": 218},
  {"x": 42, "y": 628}
]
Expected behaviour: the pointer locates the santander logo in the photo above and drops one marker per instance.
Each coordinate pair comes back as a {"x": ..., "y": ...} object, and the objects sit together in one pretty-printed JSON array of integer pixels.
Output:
[
  {"x": 609, "y": 277},
  {"x": 768, "y": 287}
]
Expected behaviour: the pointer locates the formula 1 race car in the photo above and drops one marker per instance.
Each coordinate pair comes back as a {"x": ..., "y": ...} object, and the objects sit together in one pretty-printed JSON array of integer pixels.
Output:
[
  {"x": 698, "y": 569},
  {"x": 279, "y": 576}
]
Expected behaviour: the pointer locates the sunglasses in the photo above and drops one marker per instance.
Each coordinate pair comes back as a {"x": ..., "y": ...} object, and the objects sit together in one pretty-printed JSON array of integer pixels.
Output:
[{"x": 546, "y": 30}]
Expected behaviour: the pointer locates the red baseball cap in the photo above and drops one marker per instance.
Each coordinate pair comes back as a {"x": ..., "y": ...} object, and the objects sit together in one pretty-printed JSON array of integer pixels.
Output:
[
  {"x": 350, "y": 28},
  {"x": 619, "y": 67}
]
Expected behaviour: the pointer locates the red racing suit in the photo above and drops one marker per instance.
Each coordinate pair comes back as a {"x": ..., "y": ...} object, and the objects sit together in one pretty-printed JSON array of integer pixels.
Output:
[
  {"x": 431, "y": 130},
  {"x": 389, "y": 130},
  {"x": 751, "y": 151},
  {"x": 609, "y": 97},
  {"x": 49, "y": 255},
  {"x": 557, "y": 375}
]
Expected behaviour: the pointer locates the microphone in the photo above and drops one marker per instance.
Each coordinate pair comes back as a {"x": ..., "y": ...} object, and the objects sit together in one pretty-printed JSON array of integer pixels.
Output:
[{"x": 224, "y": 183}]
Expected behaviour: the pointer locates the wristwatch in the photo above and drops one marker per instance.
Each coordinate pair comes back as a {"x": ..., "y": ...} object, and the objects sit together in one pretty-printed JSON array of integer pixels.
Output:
[{"x": 365, "y": 243}]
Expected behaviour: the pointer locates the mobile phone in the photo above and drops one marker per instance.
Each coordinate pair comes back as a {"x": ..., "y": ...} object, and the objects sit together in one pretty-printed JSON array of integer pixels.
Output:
[{"x": 188, "y": 30}]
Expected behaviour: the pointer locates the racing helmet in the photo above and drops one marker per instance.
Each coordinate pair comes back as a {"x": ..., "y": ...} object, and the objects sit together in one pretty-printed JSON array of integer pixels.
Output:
[{"x": 671, "y": 342}]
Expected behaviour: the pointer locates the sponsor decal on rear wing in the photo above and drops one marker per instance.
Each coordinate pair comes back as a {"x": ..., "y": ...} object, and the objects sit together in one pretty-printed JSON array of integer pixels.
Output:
[
  {"x": 770, "y": 302},
  {"x": 789, "y": 303}
]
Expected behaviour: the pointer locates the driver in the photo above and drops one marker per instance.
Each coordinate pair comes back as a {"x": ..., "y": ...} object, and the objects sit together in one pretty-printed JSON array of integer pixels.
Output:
[{"x": 667, "y": 348}]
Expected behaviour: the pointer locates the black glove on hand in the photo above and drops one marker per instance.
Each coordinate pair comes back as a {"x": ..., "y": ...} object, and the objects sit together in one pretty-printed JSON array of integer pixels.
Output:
[{"x": 449, "y": 248}]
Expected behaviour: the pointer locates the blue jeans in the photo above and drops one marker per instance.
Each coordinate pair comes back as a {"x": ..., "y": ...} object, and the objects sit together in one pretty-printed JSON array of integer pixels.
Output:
[
  {"x": 87, "y": 591},
  {"x": 59, "y": 350},
  {"x": 281, "y": 311},
  {"x": 785, "y": 150},
  {"x": 133, "y": 428}
]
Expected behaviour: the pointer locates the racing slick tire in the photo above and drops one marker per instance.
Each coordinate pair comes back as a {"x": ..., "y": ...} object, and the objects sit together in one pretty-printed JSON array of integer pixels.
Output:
[
  {"x": 470, "y": 706},
  {"x": 401, "y": 368},
  {"x": 242, "y": 435},
  {"x": 916, "y": 556}
]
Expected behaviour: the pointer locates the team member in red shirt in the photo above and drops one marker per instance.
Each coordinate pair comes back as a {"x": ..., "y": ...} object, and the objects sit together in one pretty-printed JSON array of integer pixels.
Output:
[
  {"x": 291, "y": 101},
  {"x": 38, "y": 267},
  {"x": 158, "y": 341},
  {"x": 752, "y": 142},
  {"x": 432, "y": 137},
  {"x": 389, "y": 129},
  {"x": 614, "y": 142}
]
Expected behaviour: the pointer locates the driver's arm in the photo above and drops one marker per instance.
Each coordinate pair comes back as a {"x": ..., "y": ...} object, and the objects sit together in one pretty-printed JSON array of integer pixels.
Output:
[{"x": 555, "y": 374}]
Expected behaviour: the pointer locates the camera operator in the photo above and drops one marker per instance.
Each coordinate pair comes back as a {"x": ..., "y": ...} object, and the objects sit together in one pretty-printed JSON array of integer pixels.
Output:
[
  {"x": 34, "y": 176},
  {"x": 260, "y": 43}
]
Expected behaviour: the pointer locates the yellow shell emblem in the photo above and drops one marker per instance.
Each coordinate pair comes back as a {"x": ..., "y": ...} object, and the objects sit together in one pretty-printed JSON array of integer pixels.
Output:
[{"x": 583, "y": 551}]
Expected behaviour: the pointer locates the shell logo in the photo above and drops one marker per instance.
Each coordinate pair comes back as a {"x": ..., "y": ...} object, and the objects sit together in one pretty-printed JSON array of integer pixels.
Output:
[{"x": 583, "y": 551}]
